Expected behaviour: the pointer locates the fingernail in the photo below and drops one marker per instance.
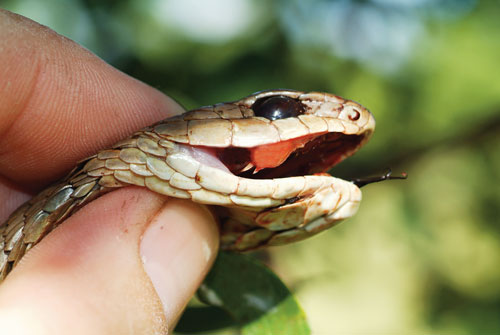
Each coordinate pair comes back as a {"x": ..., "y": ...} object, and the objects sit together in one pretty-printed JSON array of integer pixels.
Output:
[{"x": 177, "y": 250}]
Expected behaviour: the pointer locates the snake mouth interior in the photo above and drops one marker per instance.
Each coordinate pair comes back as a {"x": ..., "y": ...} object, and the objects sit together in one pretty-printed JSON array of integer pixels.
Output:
[{"x": 296, "y": 157}]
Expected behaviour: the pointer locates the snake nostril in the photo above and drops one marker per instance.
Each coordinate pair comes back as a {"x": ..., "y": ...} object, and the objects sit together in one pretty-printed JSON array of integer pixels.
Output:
[{"x": 354, "y": 115}]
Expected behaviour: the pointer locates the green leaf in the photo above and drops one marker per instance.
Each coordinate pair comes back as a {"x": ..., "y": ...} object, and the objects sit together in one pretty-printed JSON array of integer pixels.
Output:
[
  {"x": 253, "y": 296},
  {"x": 203, "y": 319}
]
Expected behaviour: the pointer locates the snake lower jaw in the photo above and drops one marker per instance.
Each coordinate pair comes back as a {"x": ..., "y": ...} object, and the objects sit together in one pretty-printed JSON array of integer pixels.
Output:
[{"x": 324, "y": 202}]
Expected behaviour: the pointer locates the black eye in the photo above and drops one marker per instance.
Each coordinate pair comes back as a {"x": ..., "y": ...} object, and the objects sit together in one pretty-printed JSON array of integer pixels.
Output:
[{"x": 277, "y": 107}]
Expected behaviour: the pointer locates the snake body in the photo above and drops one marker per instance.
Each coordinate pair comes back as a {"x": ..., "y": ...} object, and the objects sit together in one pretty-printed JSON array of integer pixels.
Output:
[{"x": 227, "y": 155}]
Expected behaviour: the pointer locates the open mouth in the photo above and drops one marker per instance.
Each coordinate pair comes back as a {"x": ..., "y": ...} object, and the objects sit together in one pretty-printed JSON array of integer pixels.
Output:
[{"x": 305, "y": 155}]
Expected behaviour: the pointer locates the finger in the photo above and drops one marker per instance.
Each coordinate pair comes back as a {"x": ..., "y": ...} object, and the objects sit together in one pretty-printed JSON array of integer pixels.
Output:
[
  {"x": 88, "y": 275},
  {"x": 61, "y": 103}
]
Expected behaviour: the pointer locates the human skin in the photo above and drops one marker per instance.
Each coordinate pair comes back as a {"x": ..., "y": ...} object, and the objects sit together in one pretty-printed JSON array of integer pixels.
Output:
[{"x": 128, "y": 262}]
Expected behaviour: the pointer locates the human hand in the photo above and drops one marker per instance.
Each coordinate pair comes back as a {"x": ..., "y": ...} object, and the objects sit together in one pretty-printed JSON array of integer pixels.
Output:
[{"x": 129, "y": 261}]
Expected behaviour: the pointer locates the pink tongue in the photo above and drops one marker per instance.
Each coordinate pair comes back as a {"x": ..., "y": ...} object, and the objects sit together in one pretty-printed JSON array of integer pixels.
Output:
[
  {"x": 205, "y": 156},
  {"x": 273, "y": 155}
]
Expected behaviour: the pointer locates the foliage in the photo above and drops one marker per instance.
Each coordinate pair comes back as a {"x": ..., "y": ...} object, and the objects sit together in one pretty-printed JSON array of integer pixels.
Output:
[{"x": 255, "y": 300}]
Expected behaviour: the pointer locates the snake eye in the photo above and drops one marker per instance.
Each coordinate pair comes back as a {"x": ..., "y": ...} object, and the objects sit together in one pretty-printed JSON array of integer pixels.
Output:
[{"x": 277, "y": 107}]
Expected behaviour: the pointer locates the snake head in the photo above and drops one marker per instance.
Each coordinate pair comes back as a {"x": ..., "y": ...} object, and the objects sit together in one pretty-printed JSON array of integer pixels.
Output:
[
  {"x": 313, "y": 131},
  {"x": 264, "y": 159}
]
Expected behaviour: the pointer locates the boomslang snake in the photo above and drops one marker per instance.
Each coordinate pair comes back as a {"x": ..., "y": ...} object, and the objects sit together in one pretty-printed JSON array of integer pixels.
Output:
[{"x": 260, "y": 160}]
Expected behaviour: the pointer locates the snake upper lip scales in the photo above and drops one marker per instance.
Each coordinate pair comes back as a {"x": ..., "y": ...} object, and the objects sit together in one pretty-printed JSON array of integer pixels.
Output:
[{"x": 259, "y": 160}]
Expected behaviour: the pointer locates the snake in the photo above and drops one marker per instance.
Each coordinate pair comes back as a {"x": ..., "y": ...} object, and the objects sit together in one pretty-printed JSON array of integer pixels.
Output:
[{"x": 260, "y": 162}]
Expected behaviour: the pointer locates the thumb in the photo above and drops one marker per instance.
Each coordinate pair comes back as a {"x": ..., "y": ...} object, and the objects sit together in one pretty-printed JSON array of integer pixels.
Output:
[{"x": 127, "y": 263}]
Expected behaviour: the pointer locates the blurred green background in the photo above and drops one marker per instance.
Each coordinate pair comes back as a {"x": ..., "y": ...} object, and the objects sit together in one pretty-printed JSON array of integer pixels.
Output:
[{"x": 422, "y": 256}]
